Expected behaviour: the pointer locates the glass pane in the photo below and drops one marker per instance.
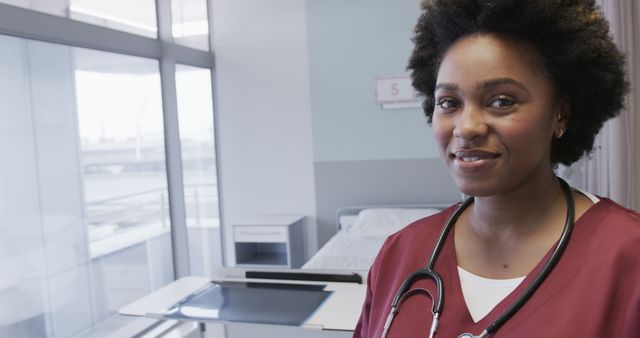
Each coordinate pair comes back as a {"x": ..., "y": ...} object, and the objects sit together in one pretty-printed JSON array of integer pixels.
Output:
[
  {"x": 83, "y": 214},
  {"x": 55, "y": 7},
  {"x": 122, "y": 142},
  {"x": 195, "y": 115},
  {"x": 121, "y": 138},
  {"x": 137, "y": 17},
  {"x": 190, "y": 24}
]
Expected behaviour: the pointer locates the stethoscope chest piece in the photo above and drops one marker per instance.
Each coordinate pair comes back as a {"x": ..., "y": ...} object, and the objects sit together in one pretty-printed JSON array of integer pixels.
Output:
[{"x": 484, "y": 334}]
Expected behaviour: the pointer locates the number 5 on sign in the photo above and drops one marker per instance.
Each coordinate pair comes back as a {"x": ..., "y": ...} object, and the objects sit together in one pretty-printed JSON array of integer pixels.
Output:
[{"x": 394, "y": 89}]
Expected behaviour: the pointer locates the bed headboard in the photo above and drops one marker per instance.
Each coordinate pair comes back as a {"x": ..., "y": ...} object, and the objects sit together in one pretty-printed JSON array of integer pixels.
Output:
[
  {"x": 346, "y": 215},
  {"x": 384, "y": 182}
]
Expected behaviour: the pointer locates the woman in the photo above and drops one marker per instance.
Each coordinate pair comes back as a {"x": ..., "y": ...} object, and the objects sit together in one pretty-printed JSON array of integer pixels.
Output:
[{"x": 512, "y": 88}]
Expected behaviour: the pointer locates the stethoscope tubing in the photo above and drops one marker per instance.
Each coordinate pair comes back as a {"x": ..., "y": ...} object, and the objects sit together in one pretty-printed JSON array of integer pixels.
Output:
[
  {"x": 548, "y": 266},
  {"x": 428, "y": 272}
]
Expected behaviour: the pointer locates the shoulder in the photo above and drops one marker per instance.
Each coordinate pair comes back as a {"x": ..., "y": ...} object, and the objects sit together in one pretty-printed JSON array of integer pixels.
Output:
[
  {"x": 615, "y": 209},
  {"x": 623, "y": 223},
  {"x": 611, "y": 217},
  {"x": 610, "y": 231}
]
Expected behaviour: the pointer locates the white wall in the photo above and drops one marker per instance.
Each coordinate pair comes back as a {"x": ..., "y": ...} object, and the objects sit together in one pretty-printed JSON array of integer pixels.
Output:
[{"x": 263, "y": 112}]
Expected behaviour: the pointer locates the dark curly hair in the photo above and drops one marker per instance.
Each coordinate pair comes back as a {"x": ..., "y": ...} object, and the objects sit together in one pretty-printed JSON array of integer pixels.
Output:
[{"x": 572, "y": 38}]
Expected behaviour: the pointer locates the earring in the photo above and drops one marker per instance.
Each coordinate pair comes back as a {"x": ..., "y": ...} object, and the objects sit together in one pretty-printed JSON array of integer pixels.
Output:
[{"x": 560, "y": 132}]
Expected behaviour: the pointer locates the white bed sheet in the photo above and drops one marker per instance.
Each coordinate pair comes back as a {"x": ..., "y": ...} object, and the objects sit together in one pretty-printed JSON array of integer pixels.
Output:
[
  {"x": 346, "y": 251},
  {"x": 356, "y": 246}
]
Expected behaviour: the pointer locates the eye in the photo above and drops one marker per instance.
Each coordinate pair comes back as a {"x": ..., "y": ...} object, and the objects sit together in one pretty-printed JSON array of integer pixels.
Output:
[
  {"x": 502, "y": 102},
  {"x": 447, "y": 103}
]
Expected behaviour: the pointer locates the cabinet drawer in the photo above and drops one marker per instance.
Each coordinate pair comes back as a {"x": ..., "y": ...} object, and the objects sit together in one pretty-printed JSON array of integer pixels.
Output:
[{"x": 261, "y": 234}]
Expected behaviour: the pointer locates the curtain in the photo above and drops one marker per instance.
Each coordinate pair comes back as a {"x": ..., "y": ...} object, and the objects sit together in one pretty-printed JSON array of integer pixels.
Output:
[{"x": 613, "y": 168}]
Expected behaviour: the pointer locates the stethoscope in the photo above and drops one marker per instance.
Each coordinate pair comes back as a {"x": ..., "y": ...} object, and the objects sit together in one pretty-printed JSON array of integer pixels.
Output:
[{"x": 404, "y": 292}]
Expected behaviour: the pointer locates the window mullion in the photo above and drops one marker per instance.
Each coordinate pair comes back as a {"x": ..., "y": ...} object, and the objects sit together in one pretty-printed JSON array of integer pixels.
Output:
[{"x": 177, "y": 207}]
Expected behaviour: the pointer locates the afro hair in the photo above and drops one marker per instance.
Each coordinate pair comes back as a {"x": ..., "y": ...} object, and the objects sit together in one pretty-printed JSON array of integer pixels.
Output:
[{"x": 572, "y": 38}]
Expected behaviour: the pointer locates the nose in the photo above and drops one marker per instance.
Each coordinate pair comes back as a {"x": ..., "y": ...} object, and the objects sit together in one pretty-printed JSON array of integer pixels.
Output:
[{"x": 470, "y": 124}]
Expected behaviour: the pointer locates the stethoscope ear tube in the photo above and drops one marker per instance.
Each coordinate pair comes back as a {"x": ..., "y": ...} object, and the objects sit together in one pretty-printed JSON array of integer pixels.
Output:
[
  {"x": 548, "y": 266},
  {"x": 445, "y": 232},
  {"x": 420, "y": 274}
]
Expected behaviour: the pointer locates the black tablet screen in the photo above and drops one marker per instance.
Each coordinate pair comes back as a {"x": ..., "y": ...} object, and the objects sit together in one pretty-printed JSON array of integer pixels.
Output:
[{"x": 268, "y": 303}]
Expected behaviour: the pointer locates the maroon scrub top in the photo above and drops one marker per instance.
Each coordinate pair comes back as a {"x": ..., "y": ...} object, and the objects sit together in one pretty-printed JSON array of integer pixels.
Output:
[{"x": 594, "y": 290}]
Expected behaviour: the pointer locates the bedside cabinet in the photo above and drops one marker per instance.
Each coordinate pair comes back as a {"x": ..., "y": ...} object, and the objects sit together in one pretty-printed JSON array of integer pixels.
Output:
[{"x": 270, "y": 241}]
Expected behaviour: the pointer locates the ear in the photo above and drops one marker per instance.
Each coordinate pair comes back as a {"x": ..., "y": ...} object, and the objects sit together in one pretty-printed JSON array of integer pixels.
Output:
[{"x": 562, "y": 114}]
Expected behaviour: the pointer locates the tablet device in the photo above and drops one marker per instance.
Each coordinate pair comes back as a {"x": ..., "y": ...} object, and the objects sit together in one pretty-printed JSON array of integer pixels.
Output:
[{"x": 267, "y": 303}]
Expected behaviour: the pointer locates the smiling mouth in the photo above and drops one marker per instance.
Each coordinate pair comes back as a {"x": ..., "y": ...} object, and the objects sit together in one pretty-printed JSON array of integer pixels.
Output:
[
  {"x": 472, "y": 160},
  {"x": 473, "y": 155}
]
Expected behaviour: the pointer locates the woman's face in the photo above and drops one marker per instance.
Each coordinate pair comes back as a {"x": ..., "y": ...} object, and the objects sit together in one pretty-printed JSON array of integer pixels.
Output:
[{"x": 495, "y": 115}]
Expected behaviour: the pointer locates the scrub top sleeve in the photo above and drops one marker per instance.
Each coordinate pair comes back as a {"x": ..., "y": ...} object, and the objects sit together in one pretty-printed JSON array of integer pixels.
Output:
[
  {"x": 632, "y": 323},
  {"x": 361, "y": 330}
]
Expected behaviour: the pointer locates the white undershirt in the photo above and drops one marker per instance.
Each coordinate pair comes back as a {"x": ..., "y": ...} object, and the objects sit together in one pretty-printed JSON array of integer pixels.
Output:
[
  {"x": 483, "y": 294},
  {"x": 589, "y": 195}
]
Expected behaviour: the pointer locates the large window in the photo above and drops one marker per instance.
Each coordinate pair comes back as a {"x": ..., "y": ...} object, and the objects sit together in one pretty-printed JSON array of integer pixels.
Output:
[{"x": 90, "y": 218}]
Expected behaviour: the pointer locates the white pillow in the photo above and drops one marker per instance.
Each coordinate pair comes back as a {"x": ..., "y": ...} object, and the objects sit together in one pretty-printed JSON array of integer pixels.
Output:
[
  {"x": 382, "y": 222},
  {"x": 347, "y": 221}
]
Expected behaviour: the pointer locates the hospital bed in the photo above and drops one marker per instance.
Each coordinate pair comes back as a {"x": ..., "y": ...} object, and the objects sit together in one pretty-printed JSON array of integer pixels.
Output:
[{"x": 361, "y": 231}]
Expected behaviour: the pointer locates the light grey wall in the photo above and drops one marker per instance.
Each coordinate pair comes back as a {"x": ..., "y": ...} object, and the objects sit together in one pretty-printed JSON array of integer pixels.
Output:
[
  {"x": 378, "y": 182},
  {"x": 351, "y": 43},
  {"x": 364, "y": 154}
]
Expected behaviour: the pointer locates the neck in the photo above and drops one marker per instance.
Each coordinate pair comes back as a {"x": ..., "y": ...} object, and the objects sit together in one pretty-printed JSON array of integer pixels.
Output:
[{"x": 521, "y": 212}]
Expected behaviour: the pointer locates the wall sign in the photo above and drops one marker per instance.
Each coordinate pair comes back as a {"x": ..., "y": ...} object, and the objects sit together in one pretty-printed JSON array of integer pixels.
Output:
[{"x": 396, "y": 93}]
